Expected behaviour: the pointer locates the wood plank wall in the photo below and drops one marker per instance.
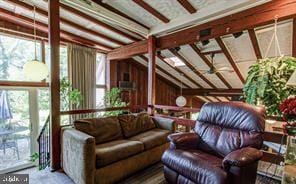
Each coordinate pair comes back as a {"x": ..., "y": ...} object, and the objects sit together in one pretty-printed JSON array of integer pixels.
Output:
[{"x": 165, "y": 93}]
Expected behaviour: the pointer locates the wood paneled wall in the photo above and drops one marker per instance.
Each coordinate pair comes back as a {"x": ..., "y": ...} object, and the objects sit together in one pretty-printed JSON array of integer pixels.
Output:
[{"x": 166, "y": 92}]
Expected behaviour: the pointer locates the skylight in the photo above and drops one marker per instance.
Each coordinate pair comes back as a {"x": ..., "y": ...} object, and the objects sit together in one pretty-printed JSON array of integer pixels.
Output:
[{"x": 175, "y": 61}]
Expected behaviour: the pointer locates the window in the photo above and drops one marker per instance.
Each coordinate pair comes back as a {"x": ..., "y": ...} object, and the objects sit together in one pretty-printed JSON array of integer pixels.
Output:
[
  {"x": 14, "y": 53},
  {"x": 63, "y": 60},
  {"x": 100, "y": 79}
]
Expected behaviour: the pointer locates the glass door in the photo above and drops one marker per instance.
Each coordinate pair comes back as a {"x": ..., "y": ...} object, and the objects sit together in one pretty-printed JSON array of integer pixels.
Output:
[{"x": 16, "y": 129}]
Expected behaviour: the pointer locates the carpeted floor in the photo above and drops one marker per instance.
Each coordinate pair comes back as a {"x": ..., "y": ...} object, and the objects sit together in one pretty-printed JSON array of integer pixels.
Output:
[{"x": 151, "y": 175}]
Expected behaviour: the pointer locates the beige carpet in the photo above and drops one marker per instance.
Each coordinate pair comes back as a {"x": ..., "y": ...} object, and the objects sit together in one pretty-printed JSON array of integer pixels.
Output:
[{"x": 151, "y": 175}]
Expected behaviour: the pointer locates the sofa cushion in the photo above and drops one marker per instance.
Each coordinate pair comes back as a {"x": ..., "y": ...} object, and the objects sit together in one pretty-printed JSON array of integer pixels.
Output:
[
  {"x": 133, "y": 124},
  {"x": 152, "y": 138},
  {"x": 103, "y": 129},
  {"x": 113, "y": 151},
  {"x": 198, "y": 166}
]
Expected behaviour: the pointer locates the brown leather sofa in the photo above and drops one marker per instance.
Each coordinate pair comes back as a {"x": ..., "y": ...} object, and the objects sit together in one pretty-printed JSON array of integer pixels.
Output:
[
  {"x": 224, "y": 147},
  {"x": 105, "y": 150}
]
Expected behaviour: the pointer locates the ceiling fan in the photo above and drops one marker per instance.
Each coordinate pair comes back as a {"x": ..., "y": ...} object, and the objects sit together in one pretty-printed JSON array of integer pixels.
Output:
[{"x": 214, "y": 70}]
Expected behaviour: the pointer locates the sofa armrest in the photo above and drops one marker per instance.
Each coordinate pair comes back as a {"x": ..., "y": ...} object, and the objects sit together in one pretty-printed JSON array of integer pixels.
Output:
[
  {"x": 165, "y": 123},
  {"x": 184, "y": 140},
  {"x": 242, "y": 157},
  {"x": 78, "y": 154}
]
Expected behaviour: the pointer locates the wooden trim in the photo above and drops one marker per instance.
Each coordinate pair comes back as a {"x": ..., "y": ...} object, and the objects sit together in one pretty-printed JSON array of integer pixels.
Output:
[
  {"x": 230, "y": 59},
  {"x": 275, "y": 137},
  {"x": 176, "y": 108},
  {"x": 192, "y": 68},
  {"x": 294, "y": 38},
  {"x": 206, "y": 60},
  {"x": 66, "y": 22},
  {"x": 151, "y": 72},
  {"x": 28, "y": 22},
  {"x": 187, "y": 6},
  {"x": 255, "y": 44},
  {"x": 86, "y": 111},
  {"x": 272, "y": 158},
  {"x": 54, "y": 41},
  {"x": 111, "y": 8},
  {"x": 23, "y": 84},
  {"x": 151, "y": 10},
  {"x": 163, "y": 71},
  {"x": 96, "y": 21},
  {"x": 180, "y": 71},
  {"x": 213, "y": 92}
]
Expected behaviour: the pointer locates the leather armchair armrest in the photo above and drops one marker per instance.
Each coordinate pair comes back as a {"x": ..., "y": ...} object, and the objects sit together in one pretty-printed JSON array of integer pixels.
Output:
[
  {"x": 242, "y": 157},
  {"x": 184, "y": 140}
]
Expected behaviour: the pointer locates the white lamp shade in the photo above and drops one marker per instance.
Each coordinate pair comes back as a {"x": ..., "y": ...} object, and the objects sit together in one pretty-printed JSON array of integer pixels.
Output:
[
  {"x": 181, "y": 101},
  {"x": 35, "y": 70}
]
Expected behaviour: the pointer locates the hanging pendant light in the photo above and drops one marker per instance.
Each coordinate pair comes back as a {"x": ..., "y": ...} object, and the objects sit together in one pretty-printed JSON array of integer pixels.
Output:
[
  {"x": 35, "y": 70},
  {"x": 181, "y": 100}
]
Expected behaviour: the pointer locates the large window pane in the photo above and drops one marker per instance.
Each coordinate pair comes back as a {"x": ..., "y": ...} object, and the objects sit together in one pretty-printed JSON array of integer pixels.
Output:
[
  {"x": 14, "y": 53},
  {"x": 15, "y": 142},
  {"x": 100, "y": 93},
  {"x": 63, "y": 60},
  {"x": 100, "y": 72},
  {"x": 43, "y": 105}
]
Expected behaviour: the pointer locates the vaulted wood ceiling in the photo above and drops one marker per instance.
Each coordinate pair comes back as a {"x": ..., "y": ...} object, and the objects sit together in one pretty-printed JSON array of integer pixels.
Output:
[{"x": 110, "y": 24}]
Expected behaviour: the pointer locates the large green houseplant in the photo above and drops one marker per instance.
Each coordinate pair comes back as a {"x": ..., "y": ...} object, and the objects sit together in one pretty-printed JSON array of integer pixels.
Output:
[{"x": 266, "y": 83}]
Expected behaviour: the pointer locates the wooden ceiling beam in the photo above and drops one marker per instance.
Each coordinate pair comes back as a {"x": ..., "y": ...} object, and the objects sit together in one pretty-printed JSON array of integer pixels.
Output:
[
  {"x": 213, "y": 92},
  {"x": 212, "y": 52},
  {"x": 255, "y": 44},
  {"x": 187, "y": 6},
  {"x": 25, "y": 21},
  {"x": 230, "y": 59},
  {"x": 180, "y": 72},
  {"x": 208, "y": 99},
  {"x": 164, "y": 71},
  {"x": 217, "y": 99},
  {"x": 151, "y": 10},
  {"x": 294, "y": 38},
  {"x": 96, "y": 21},
  {"x": 111, "y": 8},
  {"x": 208, "y": 62},
  {"x": 192, "y": 68},
  {"x": 66, "y": 22},
  {"x": 249, "y": 19}
]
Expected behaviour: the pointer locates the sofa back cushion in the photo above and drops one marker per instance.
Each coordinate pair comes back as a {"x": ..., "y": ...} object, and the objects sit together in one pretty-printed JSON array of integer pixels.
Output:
[
  {"x": 102, "y": 129},
  {"x": 225, "y": 127},
  {"x": 133, "y": 124}
]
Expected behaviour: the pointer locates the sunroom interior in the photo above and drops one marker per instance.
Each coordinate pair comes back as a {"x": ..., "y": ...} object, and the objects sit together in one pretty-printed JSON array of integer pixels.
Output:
[{"x": 148, "y": 91}]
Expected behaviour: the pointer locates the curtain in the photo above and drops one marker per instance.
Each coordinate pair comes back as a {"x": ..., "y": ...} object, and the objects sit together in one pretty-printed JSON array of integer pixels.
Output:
[{"x": 82, "y": 73}]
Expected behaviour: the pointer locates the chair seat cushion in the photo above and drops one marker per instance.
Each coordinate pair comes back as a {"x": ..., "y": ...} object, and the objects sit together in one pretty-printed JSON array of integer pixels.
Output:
[
  {"x": 110, "y": 152},
  {"x": 196, "y": 165},
  {"x": 152, "y": 138}
]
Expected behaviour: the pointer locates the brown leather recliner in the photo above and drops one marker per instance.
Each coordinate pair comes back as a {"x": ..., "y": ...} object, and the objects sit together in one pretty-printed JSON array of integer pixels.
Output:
[{"x": 224, "y": 147}]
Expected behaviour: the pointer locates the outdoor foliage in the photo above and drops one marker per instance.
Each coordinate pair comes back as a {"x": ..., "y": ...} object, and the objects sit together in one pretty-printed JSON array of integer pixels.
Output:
[
  {"x": 266, "y": 82},
  {"x": 69, "y": 95},
  {"x": 112, "y": 99}
]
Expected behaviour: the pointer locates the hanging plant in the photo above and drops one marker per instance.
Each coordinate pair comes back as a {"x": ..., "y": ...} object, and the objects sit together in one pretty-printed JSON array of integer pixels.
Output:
[{"x": 266, "y": 83}]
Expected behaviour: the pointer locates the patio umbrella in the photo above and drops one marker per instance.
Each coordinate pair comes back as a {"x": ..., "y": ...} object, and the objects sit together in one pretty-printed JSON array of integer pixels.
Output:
[{"x": 5, "y": 111}]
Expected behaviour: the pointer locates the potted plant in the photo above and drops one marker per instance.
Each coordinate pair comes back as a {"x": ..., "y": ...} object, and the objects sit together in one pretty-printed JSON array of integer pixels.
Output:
[
  {"x": 266, "y": 83},
  {"x": 288, "y": 109}
]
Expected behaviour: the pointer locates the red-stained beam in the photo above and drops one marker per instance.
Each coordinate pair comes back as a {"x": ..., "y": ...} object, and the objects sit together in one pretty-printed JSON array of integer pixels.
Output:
[
  {"x": 151, "y": 10},
  {"x": 213, "y": 92},
  {"x": 255, "y": 44},
  {"x": 25, "y": 21},
  {"x": 187, "y": 6},
  {"x": 66, "y": 22},
  {"x": 180, "y": 72},
  {"x": 164, "y": 71},
  {"x": 294, "y": 38},
  {"x": 96, "y": 21},
  {"x": 244, "y": 20},
  {"x": 230, "y": 59},
  {"x": 206, "y": 60},
  {"x": 192, "y": 68},
  {"x": 151, "y": 72}
]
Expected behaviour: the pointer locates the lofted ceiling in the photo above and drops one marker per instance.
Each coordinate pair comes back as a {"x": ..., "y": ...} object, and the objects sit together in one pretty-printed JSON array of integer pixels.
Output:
[{"x": 109, "y": 24}]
